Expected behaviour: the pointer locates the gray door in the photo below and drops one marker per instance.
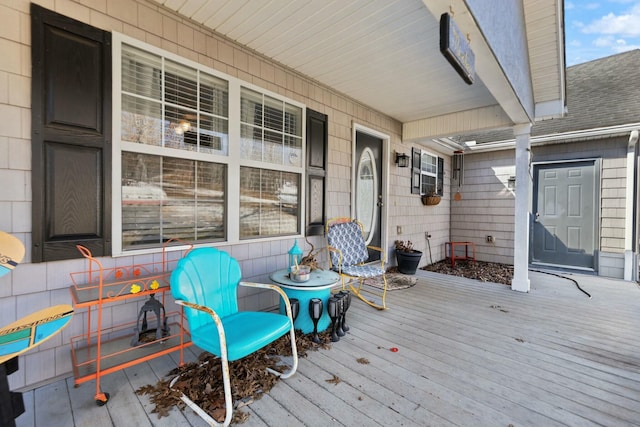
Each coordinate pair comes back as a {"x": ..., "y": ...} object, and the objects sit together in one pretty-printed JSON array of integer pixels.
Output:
[
  {"x": 368, "y": 197},
  {"x": 565, "y": 214}
]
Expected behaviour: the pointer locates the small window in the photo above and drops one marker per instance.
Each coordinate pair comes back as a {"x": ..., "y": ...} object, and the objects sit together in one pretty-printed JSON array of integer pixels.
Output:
[{"x": 427, "y": 173}]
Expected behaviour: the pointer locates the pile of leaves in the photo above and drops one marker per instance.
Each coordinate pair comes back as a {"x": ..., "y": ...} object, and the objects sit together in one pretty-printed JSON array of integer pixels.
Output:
[
  {"x": 202, "y": 381},
  {"x": 478, "y": 270}
]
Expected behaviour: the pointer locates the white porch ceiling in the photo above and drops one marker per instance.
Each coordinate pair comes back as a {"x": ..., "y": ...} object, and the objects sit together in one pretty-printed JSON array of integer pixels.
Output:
[{"x": 382, "y": 53}]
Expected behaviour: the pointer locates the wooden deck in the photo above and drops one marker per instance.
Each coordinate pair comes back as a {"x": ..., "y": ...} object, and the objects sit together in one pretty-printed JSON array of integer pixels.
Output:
[{"x": 470, "y": 354}]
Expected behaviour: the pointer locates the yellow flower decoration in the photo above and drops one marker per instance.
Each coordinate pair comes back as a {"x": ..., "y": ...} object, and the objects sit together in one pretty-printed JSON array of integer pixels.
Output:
[
  {"x": 135, "y": 288},
  {"x": 154, "y": 285}
]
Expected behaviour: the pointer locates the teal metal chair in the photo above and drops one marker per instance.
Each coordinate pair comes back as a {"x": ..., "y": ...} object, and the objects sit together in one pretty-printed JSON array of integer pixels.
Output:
[{"x": 205, "y": 282}]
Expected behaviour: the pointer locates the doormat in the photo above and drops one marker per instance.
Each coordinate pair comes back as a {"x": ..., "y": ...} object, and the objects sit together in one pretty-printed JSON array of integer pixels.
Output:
[{"x": 395, "y": 281}]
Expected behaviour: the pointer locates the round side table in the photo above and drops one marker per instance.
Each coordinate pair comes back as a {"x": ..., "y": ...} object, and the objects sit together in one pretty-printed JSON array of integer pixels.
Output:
[{"x": 318, "y": 286}]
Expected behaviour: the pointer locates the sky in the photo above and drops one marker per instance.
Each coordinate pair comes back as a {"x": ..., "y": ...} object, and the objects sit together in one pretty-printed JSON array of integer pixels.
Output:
[{"x": 595, "y": 29}]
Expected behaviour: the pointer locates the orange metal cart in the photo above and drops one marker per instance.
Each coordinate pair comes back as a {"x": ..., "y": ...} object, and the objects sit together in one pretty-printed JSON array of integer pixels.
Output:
[{"x": 100, "y": 350}]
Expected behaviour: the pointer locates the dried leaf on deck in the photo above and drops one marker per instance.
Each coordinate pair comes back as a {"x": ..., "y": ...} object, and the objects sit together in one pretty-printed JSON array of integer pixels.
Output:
[
  {"x": 335, "y": 380},
  {"x": 202, "y": 380}
]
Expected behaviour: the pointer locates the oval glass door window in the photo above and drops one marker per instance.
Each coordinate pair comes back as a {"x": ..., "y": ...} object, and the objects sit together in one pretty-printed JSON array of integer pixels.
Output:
[{"x": 366, "y": 197}]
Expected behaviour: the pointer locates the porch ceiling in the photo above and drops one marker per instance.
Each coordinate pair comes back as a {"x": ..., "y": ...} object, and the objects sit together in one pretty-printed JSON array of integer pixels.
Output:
[{"x": 384, "y": 54}]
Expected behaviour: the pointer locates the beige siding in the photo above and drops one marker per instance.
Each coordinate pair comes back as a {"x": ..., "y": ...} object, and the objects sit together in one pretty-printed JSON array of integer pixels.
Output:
[
  {"x": 486, "y": 207},
  {"x": 487, "y": 204},
  {"x": 33, "y": 286}
]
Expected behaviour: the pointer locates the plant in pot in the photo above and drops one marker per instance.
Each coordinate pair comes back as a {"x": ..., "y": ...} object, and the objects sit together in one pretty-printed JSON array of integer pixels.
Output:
[
  {"x": 430, "y": 199},
  {"x": 407, "y": 257}
]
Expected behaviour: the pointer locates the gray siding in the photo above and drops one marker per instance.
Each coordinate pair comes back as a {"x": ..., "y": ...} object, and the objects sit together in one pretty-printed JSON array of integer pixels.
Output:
[
  {"x": 34, "y": 286},
  {"x": 487, "y": 204}
]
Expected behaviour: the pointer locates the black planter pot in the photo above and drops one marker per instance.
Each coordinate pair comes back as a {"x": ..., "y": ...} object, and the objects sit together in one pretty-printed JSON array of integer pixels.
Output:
[{"x": 408, "y": 261}]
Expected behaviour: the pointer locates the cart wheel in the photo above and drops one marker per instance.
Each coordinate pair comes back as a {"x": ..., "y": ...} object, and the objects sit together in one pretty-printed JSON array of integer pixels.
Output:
[{"x": 102, "y": 399}]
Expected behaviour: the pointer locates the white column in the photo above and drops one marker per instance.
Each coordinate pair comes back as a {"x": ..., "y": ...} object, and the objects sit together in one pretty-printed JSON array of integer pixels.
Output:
[
  {"x": 520, "y": 280},
  {"x": 630, "y": 260}
]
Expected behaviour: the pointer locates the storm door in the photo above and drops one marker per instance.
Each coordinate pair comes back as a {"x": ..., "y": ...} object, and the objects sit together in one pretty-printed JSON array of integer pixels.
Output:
[
  {"x": 368, "y": 188},
  {"x": 565, "y": 214}
]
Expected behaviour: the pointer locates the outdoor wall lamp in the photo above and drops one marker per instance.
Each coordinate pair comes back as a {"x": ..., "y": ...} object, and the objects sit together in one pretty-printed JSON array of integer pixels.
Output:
[
  {"x": 511, "y": 183},
  {"x": 402, "y": 160}
]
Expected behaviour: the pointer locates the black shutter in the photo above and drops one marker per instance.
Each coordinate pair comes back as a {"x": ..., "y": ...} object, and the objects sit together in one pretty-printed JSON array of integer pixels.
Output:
[
  {"x": 71, "y": 137},
  {"x": 440, "y": 180},
  {"x": 317, "y": 136},
  {"x": 416, "y": 174}
]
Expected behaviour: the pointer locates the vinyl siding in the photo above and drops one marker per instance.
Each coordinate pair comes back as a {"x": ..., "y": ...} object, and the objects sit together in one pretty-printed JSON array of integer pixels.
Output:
[
  {"x": 487, "y": 204},
  {"x": 34, "y": 286}
]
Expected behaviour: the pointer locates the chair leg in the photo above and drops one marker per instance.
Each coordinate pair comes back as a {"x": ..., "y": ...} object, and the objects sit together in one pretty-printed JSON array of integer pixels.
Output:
[
  {"x": 358, "y": 291},
  {"x": 226, "y": 379},
  {"x": 228, "y": 399},
  {"x": 294, "y": 357}
]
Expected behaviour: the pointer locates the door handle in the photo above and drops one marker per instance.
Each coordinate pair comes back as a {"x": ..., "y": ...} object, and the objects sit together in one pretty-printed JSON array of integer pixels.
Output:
[{"x": 537, "y": 217}]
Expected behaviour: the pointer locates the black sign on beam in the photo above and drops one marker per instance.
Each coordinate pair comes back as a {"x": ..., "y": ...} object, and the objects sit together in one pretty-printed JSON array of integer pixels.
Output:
[{"x": 455, "y": 47}]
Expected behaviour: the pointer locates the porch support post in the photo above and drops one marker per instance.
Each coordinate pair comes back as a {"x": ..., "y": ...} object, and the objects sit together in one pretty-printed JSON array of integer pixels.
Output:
[
  {"x": 630, "y": 250},
  {"x": 520, "y": 280}
]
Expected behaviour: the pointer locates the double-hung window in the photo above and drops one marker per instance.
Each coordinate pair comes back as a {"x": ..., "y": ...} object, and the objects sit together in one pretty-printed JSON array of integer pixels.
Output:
[
  {"x": 271, "y": 162},
  {"x": 199, "y": 155},
  {"x": 427, "y": 174}
]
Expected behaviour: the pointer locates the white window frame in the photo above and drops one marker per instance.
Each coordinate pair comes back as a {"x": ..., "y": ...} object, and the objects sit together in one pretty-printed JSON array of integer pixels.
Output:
[
  {"x": 424, "y": 173},
  {"x": 233, "y": 159}
]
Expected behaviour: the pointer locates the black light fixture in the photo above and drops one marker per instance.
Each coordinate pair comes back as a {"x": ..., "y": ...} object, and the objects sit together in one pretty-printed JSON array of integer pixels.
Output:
[{"x": 402, "y": 160}]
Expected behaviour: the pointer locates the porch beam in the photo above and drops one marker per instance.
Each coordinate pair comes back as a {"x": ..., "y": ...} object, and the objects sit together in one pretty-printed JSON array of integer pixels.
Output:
[
  {"x": 520, "y": 281},
  {"x": 478, "y": 119}
]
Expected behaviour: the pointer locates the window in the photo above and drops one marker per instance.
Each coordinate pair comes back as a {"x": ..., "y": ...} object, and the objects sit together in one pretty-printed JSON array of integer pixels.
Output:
[
  {"x": 186, "y": 159},
  {"x": 427, "y": 173},
  {"x": 271, "y": 134}
]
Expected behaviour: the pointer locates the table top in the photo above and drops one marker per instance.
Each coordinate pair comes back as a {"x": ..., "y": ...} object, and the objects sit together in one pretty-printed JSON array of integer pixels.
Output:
[{"x": 320, "y": 279}]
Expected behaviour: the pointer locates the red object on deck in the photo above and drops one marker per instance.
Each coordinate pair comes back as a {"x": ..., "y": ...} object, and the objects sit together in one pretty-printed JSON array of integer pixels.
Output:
[{"x": 450, "y": 248}]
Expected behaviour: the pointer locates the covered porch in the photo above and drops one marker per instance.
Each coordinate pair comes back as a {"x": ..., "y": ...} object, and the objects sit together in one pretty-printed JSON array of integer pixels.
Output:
[{"x": 469, "y": 353}]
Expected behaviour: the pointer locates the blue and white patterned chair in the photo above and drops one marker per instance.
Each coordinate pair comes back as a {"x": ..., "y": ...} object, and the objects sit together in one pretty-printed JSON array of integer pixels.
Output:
[{"x": 348, "y": 255}]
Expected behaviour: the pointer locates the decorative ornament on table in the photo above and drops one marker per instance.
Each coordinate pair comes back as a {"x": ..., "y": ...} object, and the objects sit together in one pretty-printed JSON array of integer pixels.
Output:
[
  {"x": 295, "y": 256},
  {"x": 310, "y": 258}
]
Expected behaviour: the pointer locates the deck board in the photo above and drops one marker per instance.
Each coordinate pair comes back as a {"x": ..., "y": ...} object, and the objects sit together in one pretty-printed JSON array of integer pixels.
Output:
[
  {"x": 84, "y": 408},
  {"x": 52, "y": 405},
  {"x": 470, "y": 353}
]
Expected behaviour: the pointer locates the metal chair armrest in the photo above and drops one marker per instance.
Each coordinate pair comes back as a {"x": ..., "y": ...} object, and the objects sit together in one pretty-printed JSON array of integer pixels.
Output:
[
  {"x": 275, "y": 288},
  {"x": 383, "y": 257},
  {"x": 205, "y": 309},
  {"x": 339, "y": 252}
]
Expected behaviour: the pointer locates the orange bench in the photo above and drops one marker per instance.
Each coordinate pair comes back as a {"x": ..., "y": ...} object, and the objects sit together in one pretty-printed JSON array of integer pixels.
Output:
[{"x": 450, "y": 248}]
